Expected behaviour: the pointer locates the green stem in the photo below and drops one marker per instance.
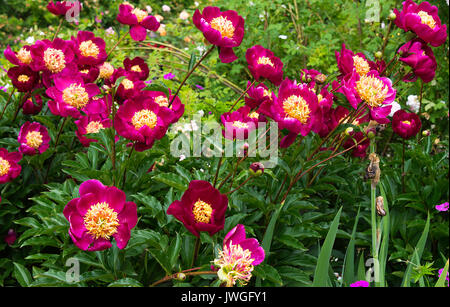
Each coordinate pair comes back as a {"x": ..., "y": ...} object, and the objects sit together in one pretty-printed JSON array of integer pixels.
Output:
[
  {"x": 56, "y": 145},
  {"x": 7, "y": 103},
  {"x": 375, "y": 229},
  {"x": 117, "y": 44},
  {"x": 240, "y": 97},
  {"x": 196, "y": 249},
  {"x": 125, "y": 168},
  {"x": 58, "y": 29}
]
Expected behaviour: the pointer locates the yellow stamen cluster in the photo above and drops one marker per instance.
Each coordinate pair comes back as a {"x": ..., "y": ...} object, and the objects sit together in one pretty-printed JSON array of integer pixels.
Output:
[
  {"x": 362, "y": 66},
  {"x": 127, "y": 84},
  {"x": 106, "y": 71},
  {"x": 267, "y": 93},
  {"x": 202, "y": 212},
  {"x": 94, "y": 127},
  {"x": 136, "y": 68},
  {"x": 76, "y": 96},
  {"x": 427, "y": 19},
  {"x": 239, "y": 124},
  {"x": 24, "y": 56},
  {"x": 265, "y": 61},
  {"x": 101, "y": 221},
  {"x": 89, "y": 48},
  {"x": 319, "y": 97},
  {"x": 254, "y": 114},
  {"x": 406, "y": 122},
  {"x": 235, "y": 265},
  {"x": 4, "y": 166},
  {"x": 140, "y": 14},
  {"x": 224, "y": 26},
  {"x": 23, "y": 78},
  {"x": 162, "y": 101},
  {"x": 144, "y": 118},
  {"x": 34, "y": 139},
  {"x": 54, "y": 60},
  {"x": 296, "y": 107},
  {"x": 371, "y": 90}
]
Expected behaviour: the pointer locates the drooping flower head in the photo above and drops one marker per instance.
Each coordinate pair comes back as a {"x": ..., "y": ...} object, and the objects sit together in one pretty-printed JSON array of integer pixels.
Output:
[
  {"x": 420, "y": 57},
  {"x": 201, "y": 208},
  {"x": 90, "y": 50},
  {"x": 9, "y": 167},
  {"x": 423, "y": 20},
  {"x": 33, "y": 138},
  {"x": 137, "y": 66},
  {"x": 23, "y": 78},
  {"x": 70, "y": 94},
  {"x": 296, "y": 108},
  {"x": 60, "y": 8},
  {"x": 19, "y": 58},
  {"x": 406, "y": 124},
  {"x": 223, "y": 29},
  {"x": 375, "y": 91},
  {"x": 238, "y": 257},
  {"x": 262, "y": 63},
  {"x": 142, "y": 120},
  {"x": 139, "y": 21},
  {"x": 101, "y": 212},
  {"x": 90, "y": 124},
  {"x": 238, "y": 124}
]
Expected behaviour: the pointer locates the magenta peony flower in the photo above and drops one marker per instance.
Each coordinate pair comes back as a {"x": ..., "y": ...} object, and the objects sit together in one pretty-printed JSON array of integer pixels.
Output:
[
  {"x": 70, "y": 94},
  {"x": 161, "y": 99},
  {"x": 423, "y": 20},
  {"x": 23, "y": 78},
  {"x": 360, "y": 283},
  {"x": 223, "y": 29},
  {"x": 90, "y": 124},
  {"x": 420, "y": 58},
  {"x": 238, "y": 124},
  {"x": 256, "y": 95},
  {"x": 238, "y": 257},
  {"x": 201, "y": 208},
  {"x": 142, "y": 120},
  {"x": 11, "y": 237},
  {"x": 262, "y": 63},
  {"x": 90, "y": 50},
  {"x": 101, "y": 212},
  {"x": 361, "y": 149},
  {"x": 331, "y": 119},
  {"x": 60, "y": 8},
  {"x": 30, "y": 108},
  {"x": 137, "y": 66},
  {"x": 33, "y": 138},
  {"x": 89, "y": 73},
  {"x": 442, "y": 207},
  {"x": 375, "y": 91},
  {"x": 139, "y": 21},
  {"x": 348, "y": 62},
  {"x": 22, "y": 57},
  {"x": 9, "y": 169},
  {"x": 296, "y": 108},
  {"x": 129, "y": 88},
  {"x": 406, "y": 124}
]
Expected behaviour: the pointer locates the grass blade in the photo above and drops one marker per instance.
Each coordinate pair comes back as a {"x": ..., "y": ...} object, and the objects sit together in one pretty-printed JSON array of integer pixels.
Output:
[{"x": 348, "y": 271}]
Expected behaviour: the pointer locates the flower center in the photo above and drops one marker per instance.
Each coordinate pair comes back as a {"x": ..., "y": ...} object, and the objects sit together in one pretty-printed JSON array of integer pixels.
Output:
[
  {"x": 362, "y": 66},
  {"x": 24, "y": 56},
  {"x": 144, "y": 118},
  {"x": 136, "y": 68},
  {"x": 127, "y": 84},
  {"x": 84, "y": 71},
  {"x": 202, "y": 212},
  {"x": 296, "y": 107},
  {"x": 265, "y": 61},
  {"x": 235, "y": 265},
  {"x": 224, "y": 26},
  {"x": 106, "y": 70},
  {"x": 23, "y": 78},
  {"x": 406, "y": 122},
  {"x": 140, "y": 14},
  {"x": 4, "y": 166},
  {"x": 76, "y": 96},
  {"x": 371, "y": 90},
  {"x": 427, "y": 19},
  {"x": 89, "y": 48},
  {"x": 253, "y": 115},
  {"x": 101, "y": 221},
  {"x": 94, "y": 127},
  {"x": 162, "y": 101},
  {"x": 319, "y": 97},
  {"x": 34, "y": 139},
  {"x": 239, "y": 124},
  {"x": 267, "y": 93},
  {"x": 54, "y": 60}
]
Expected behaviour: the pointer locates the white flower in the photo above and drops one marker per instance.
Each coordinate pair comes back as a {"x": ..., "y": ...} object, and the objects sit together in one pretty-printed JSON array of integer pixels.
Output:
[
  {"x": 166, "y": 8},
  {"x": 184, "y": 15},
  {"x": 395, "y": 107},
  {"x": 201, "y": 112},
  {"x": 196, "y": 3},
  {"x": 30, "y": 40},
  {"x": 282, "y": 36},
  {"x": 251, "y": 3},
  {"x": 149, "y": 9},
  {"x": 382, "y": 25},
  {"x": 413, "y": 103},
  {"x": 110, "y": 31},
  {"x": 182, "y": 157}
]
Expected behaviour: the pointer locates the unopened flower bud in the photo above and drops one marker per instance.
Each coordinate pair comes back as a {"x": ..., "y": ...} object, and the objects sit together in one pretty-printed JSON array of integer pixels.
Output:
[
  {"x": 392, "y": 16},
  {"x": 371, "y": 135},
  {"x": 320, "y": 79},
  {"x": 181, "y": 276},
  {"x": 349, "y": 130},
  {"x": 257, "y": 168},
  {"x": 426, "y": 133},
  {"x": 378, "y": 54}
]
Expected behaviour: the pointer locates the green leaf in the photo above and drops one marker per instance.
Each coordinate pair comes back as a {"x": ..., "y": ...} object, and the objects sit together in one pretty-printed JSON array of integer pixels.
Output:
[
  {"x": 192, "y": 61},
  {"x": 22, "y": 275},
  {"x": 172, "y": 180},
  {"x": 125, "y": 282},
  {"x": 265, "y": 271},
  {"x": 323, "y": 262},
  {"x": 349, "y": 261},
  {"x": 442, "y": 282}
]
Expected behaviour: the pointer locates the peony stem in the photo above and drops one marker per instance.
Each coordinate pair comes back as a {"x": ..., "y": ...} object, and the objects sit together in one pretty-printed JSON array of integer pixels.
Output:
[
  {"x": 7, "y": 103},
  {"x": 240, "y": 186},
  {"x": 217, "y": 171},
  {"x": 186, "y": 273},
  {"x": 125, "y": 168},
  {"x": 117, "y": 44},
  {"x": 240, "y": 97},
  {"x": 56, "y": 145},
  {"x": 190, "y": 73},
  {"x": 196, "y": 249},
  {"x": 58, "y": 29}
]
